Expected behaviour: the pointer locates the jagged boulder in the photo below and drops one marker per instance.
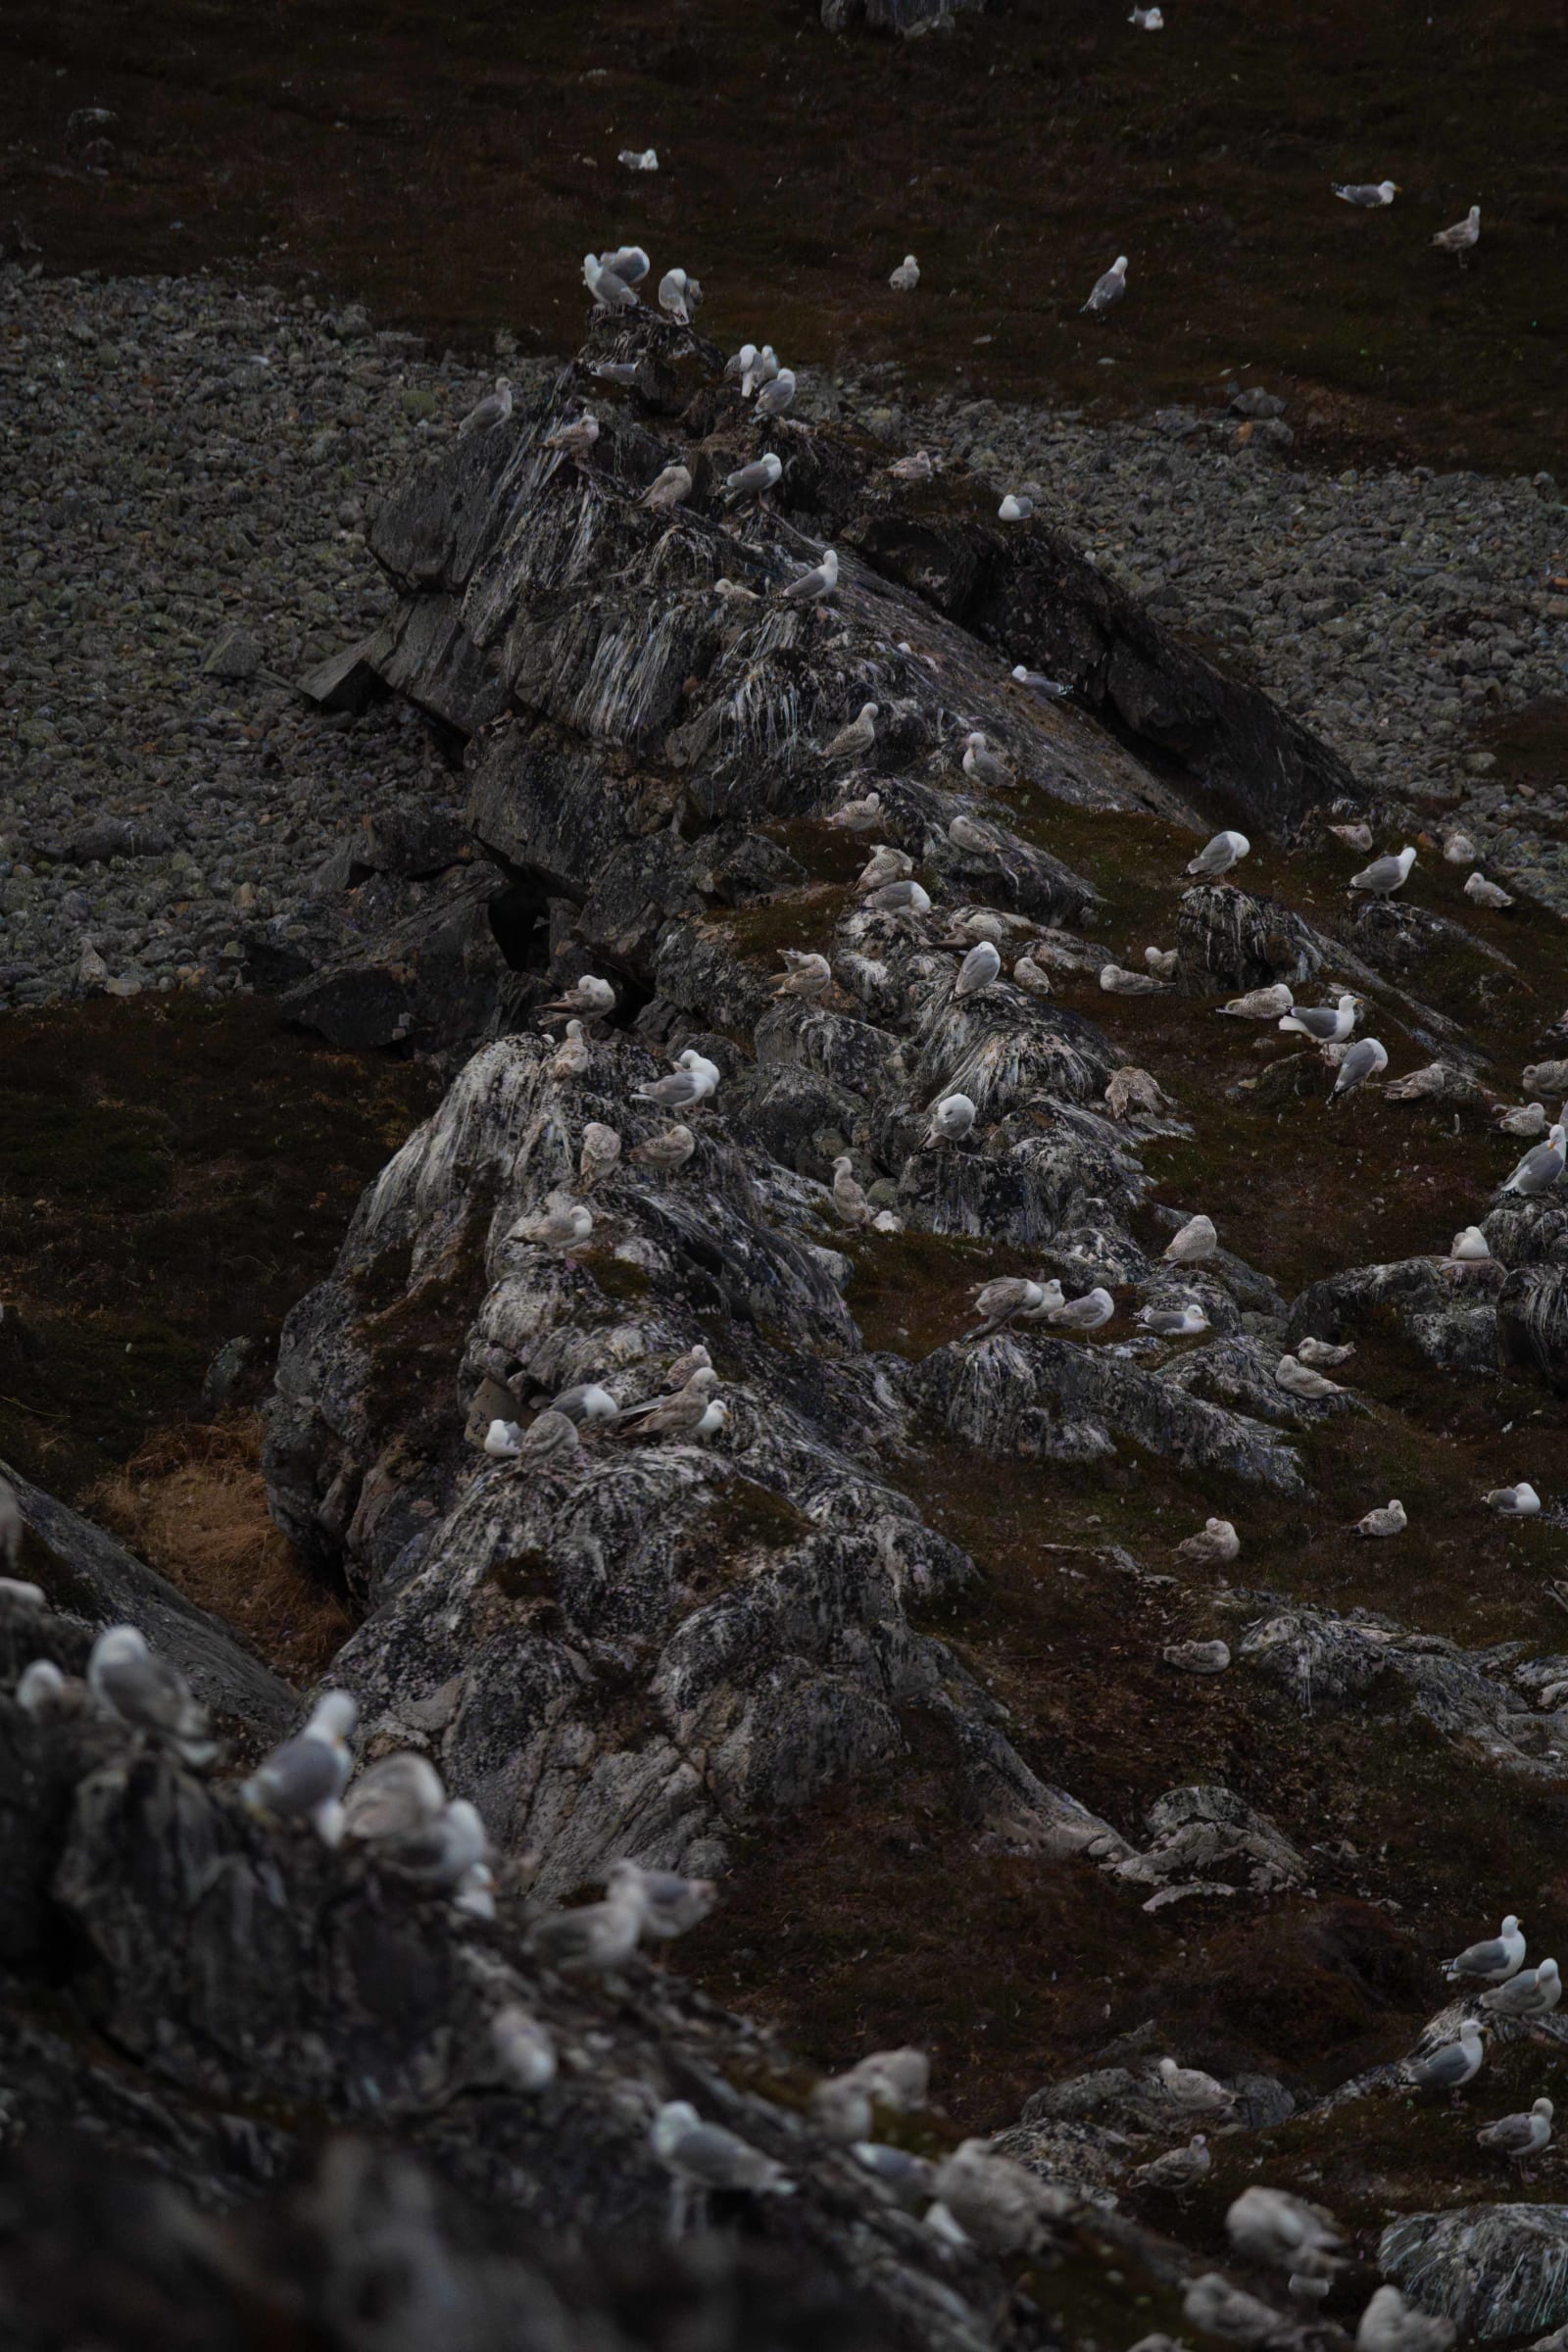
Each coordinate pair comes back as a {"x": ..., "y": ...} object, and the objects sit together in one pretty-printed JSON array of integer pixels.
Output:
[{"x": 1496, "y": 2270}]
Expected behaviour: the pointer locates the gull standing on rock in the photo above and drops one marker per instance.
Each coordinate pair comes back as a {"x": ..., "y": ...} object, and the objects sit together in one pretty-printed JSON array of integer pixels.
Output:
[
  {"x": 706, "y": 2156},
  {"x": 629, "y": 263},
  {"x": 1469, "y": 1248},
  {"x": 950, "y": 1121},
  {"x": 1194, "y": 1241},
  {"x": 670, "y": 489},
  {"x": 587, "y": 1405},
  {"x": 682, "y": 1090},
  {"x": 1390, "y": 2325},
  {"x": 609, "y": 290},
  {"x": 906, "y": 276},
  {"x": 1385, "y": 875},
  {"x": 601, "y": 1149},
  {"x": 1218, "y": 855},
  {"x": 1109, "y": 290},
  {"x": 1451, "y": 2066},
  {"x": 495, "y": 408},
  {"x": 977, "y": 971},
  {"x": 856, "y": 738},
  {"x": 576, "y": 439},
  {"x": 849, "y": 1199},
  {"x": 810, "y": 975},
  {"x": 1532, "y": 1992},
  {"x": 1299, "y": 1380},
  {"x": 1325, "y": 1024},
  {"x": 763, "y": 369},
  {"x": 1010, "y": 1297},
  {"x": 695, "y": 1412},
  {"x": 572, "y": 1058},
  {"x": 754, "y": 480},
  {"x": 1086, "y": 1314},
  {"x": 1369, "y": 194},
  {"x": 590, "y": 997},
  {"x": 1515, "y": 1503},
  {"x": 1539, "y": 1169},
  {"x": 1389, "y": 1520},
  {"x": 808, "y": 585},
  {"x": 1215, "y": 1545},
  {"x": 1494, "y": 1960},
  {"x": 1365, "y": 1060},
  {"x": 885, "y": 864},
  {"x": 665, "y": 1152},
  {"x": 776, "y": 394},
  {"x": 1035, "y": 681},
  {"x": 148, "y": 1693},
  {"x": 740, "y": 363},
  {"x": 982, "y": 765},
  {"x": 304, "y": 1778},
  {"x": 1194, "y": 2092},
  {"x": 678, "y": 296},
  {"x": 1461, "y": 236},
  {"x": 1520, "y": 2136}
]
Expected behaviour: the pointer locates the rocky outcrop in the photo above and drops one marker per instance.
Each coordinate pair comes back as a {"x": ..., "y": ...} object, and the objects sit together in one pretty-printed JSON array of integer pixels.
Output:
[{"x": 1496, "y": 2270}]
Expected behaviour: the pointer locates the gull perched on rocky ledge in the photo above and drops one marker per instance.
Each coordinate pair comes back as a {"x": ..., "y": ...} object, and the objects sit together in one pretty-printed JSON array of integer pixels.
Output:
[
  {"x": 853, "y": 741},
  {"x": 495, "y": 408},
  {"x": 1494, "y": 1959},
  {"x": 1109, "y": 290},
  {"x": 1461, "y": 236},
  {"x": 1218, "y": 855},
  {"x": 1385, "y": 875}
]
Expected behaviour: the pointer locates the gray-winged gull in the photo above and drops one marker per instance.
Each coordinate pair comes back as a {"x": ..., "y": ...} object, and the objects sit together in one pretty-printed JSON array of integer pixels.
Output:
[
  {"x": 1451, "y": 2066},
  {"x": 303, "y": 1778},
  {"x": 1035, "y": 681},
  {"x": 47, "y": 1694},
  {"x": 1391, "y": 2325},
  {"x": 1017, "y": 506},
  {"x": 1369, "y": 194},
  {"x": 1461, "y": 236},
  {"x": 1385, "y": 875},
  {"x": 950, "y": 1121},
  {"x": 586, "y": 1403},
  {"x": 740, "y": 363},
  {"x": 900, "y": 898},
  {"x": 1539, "y": 1169},
  {"x": 978, "y": 969},
  {"x": 524, "y": 2051},
  {"x": 1162, "y": 961},
  {"x": 1515, "y": 1503},
  {"x": 1009, "y": 1298},
  {"x": 1174, "y": 1322},
  {"x": 1089, "y": 1314},
  {"x": 1532, "y": 1992},
  {"x": 1192, "y": 1242},
  {"x": 1147, "y": 20},
  {"x": 706, "y": 2156},
  {"x": 982, "y": 765},
  {"x": 682, "y": 1090},
  {"x": 1218, "y": 855},
  {"x": 609, "y": 291},
  {"x": 1109, "y": 290},
  {"x": 493, "y": 410},
  {"x": 398, "y": 1794},
  {"x": 776, "y": 394},
  {"x": 906, "y": 276},
  {"x": 1365, "y": 1060},
  {"x": 629, "y": 263},
  {"x": 905, "y": 2177},
  {"x": 1325, "y": 1024},
  {"x": 147, "y": 1690},
  {"x": 822, "y": 580},
  {"x": 678, "y": 296},
  {"x": 438, "y": 1854},
  {"x": 550, "y": 1438},
  {"x": 1519, "y": 2136},
  {"x": 754, "y": 480}
]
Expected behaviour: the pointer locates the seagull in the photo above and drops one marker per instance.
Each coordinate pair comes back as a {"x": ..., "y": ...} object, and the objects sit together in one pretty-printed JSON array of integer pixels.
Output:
[
  {"x": 1196, "y": 1240},
  {"x": 1520, "y": 2136},
  {"x": 1390, "y": 1520},
  {"x": 696, "y": 1359},
  {"x": 857, "y": 737},
  {"x": 1216, "y": 2308},
  {"x": 551, "y": 1437},
  {"x": 950, "y": 1121},
  {"x": 1129, "y": 1089},
  {"x": 1495, "y": 1960},
  {"x": 1322, "y": 1355},
  {"x": 601, "y": 1149},
  {"x": 1190, "y": 2089},
  {"x": 900, "y": 898},
  {"x": 594, "y": 1938},
  {"x": 1088, "y": 1313},
  {"x": 1117, "y": 981},
  {"x": 808, "y": 585},
  {"x": 1178, "y": 2168},
  {"x": 1365, "y": 1060},
  {"x": 916, "y": 468},
  {"x": 740, "y": 363},
  {"x": 1532, "y": 1992},
  {"x": 1451, "y": 2066},
  {"x": 1325, "y": 1024},
  {"x": 1515, "y": 1503},
  {"x": 46, "y": 1694},
  {"x": 304, "y": 1779},
  {"x": 977, "y": 971},
  {"x": 1035, "y": 978},
  {"x": 1389, "y": 2325},
  {"x": 608, "y": 289},
  {"x": 1147, "y": 20},
  {"x": 1458, "y": 849},
  {"x": 695, "y": 1412},
  {"x": 1162, "y": 961},
  {"x": 754, "y": 480},
  {"x": 1218, "y": 855},
  {"x": 848, "y": 1197},
  {"x": 808, "y": 975},
  {"x": 590, "y": 996},
  {"x": 907, "y": 2176},
  {"x": 575, "y": 439},
  {"x": 671, "y": 488},
  {"x": 1174, "y": 1322},
  {"x": 1299, "y": 1380},
  {"x": 1107, "y": 290},
  {"x": 906, "y": 276},
  {"x": 982, "y": 765},
  {"x": 1469, "y": 1246},
  {"x": 682, "y": 1090},
  {"x": 1259, "y": 1004},
  {"x": 148, "y": 1693},
  {"x": 1385, "y": 875},
  {"x": 628, "y": 261},
  {"x": 994, "y": 2199},
  {"x": 705, "y": 2156},
  {"x": 665, "y": 1152},
  {"x": 1017, "y": 506},
  {"x": 1369, "y": 194},
  {"x": 857, "y": 816},
  {"x": 644, "y": 159},
  {"x": 392, "y": 1799},
  {"x": 1530, "y": 1119},
  {"x": 1215, "y": 1545},
  {"x": 495, "y": 408},
  {"x": 1010, "y": 1297},
  {"x": 572, "y": 1058},
  {"x": 763, "y": 369},
  {"x": 1461, "y": 236},
  {"x": 1267, "y": 2226},
  {"x": 1035, "y": 681},
  {"x": 586, "y": 1404},
  {"x": 438, "y": 1854},
  {"x": 700, "y": 1066},
  {"x": 672, "y": 1904},
  {"x": 1482, "y": 893},
  {"x": 615, "y": 371},
  {"x": 1354, "y": 836},
  {"x": 524, "y": 2051},
  {"x": 885, "y": 864},
  {"x": 678, "y": 296},
  {"x": 776, "y": 394},
  {"x": 1539, "y": 1169},
  {"x": 565, "y": 1227}
]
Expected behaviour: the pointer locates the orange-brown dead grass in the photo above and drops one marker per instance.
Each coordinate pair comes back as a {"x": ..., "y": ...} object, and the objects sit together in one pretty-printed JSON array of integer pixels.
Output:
[{"x": 192, "y": 1503}]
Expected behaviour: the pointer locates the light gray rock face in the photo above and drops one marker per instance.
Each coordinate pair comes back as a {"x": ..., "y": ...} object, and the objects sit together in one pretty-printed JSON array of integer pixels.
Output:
[{"x": 1495, "y": 2270}]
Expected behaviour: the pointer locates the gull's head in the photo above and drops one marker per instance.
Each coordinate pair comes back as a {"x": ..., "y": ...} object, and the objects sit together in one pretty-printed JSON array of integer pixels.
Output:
[
  {"x": 1387, "y": 189},
  {"x": 772, "y": 465},
  {"x": 1118, "y": 266},
  {"x": 974, "y": 741},
  {"x": 869, "y": 711},
  {"x": 335, "y": 1714},
  {"x": 1475, "y": 216},
  {"x": 1511, "y": 1924},
  {"x": 121, "y": 1646},
  {"x": 910, "y": 262},
  {"x": 830, "y": 568}
]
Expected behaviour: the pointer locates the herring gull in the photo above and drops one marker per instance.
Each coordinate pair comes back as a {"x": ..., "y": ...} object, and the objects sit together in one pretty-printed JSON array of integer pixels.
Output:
[{"x": 1107, "y": 290}]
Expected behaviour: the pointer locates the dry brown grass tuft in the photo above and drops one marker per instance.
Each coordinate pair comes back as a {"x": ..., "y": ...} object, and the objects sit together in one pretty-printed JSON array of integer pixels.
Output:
[{"x": 192, "y": 1503}]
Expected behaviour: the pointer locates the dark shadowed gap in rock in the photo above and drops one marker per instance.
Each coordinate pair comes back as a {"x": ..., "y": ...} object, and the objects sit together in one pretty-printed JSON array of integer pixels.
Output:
[{"x": 518, "y": 915}]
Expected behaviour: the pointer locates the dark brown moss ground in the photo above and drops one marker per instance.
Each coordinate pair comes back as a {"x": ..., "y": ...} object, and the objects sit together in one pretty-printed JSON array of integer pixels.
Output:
[{"x": 452, "y": 164}]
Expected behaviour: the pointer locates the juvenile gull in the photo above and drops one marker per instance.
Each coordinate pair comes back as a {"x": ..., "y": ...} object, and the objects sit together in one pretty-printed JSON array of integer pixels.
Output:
[
  {"x": 1267, "y": 2226},
  {"x": 303, "y": 1779},
  {"x": 590, "y": 996},
  {"x": 1321, "y": 1355},
  {"x": 1482, "y": 893},
  {"x": 916, "y": 468},
  {"x": 1389, "y": 1520},
  {"x": 849, "y": 1199},
  {"x": 553, "y": 1437},
  {"x": 1218, "y": 855},
  {"x": 1194, "y": 2092},
  {"x": 1095, "y": 1308},
  {"x": 1035, "y": 681},
  {"x": 1147, "y": 20},
  {"x": 665, "y": 1152},
  {"x": 1215, "y": 1545},
  {"x": 857, "y": 737},
  {"x": 978, "y": 969},
  {"x": 763, "y": 369},
  {"x": 776, "y": 394},
  {"x": 995, "y": 2200},
  {"x": 1532, "y": 1992},
  {"x": 1178, "y": 2168},
  {"x": 576, "y": 439},
  {"x": 1364, "y": 1060},
  {"x": 1390, "y": 2325},
  {"x": 593, "y": 1938},
  {"x": 900, "y": 898},
  {"x": 695, "y": 1413},
  {"x": 672, "y": 1904},
  {"x": 1354, "y": 836},
  {"x": 668, "y": 489},
  {"x": 572, "y": 1058},
  {"x": 1299, "y": 1380},
  {"x": 1530, "y": 1119},
  {"x": 1194, "y": 1241},
  {"x": 1520, "y": 2136},
  {"x": 950, "y": 1121},
  {"x": 982, "y": 765},
  {"x": 1129, "y": 1088},
  {"x": 495, "y": 408},
  {"x": 857, "y": 816},
  {"x": 1461, "y": 236},
  {"x": 810, "y": 975},
  {"x": 392, "y": 1799},
  {"x": 1117, "y": 981},
  {"x": 1469, "y": 1246},
  {"x": 586, "y": 1404},
  {"x": 1015, "y": 508},
  {"x": 885, "y": 864},
  {"x": 565, "y": 1227},
  {"x": 1368, "y": 193},
  {"x": 696, "y": 1359},
  {"x": 1109, "y": 290},
  {"x": 1539, "y": 1169},
  {"x": 1174, "y": 1322},
  {"x": 1326, "y": 1024},
  {"x": 1451, "y": 2066},
  {"x": 906, "y": 276},
  {"x": 754, "y": 480},
  {"x": 600, "y": 1151},
  {"x": 808, "y": 585},
  {"x": 524, "y": 2051},
  {"x": 1010, "y": 1298},
  {"x": 1515, "y": 1503},
  {"x": 1385, "y": 875},
  {"x": 148, "y": 1691},
  {"x": 1216, "y": 2308},
  {"x": 1458, "y": 849}
]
